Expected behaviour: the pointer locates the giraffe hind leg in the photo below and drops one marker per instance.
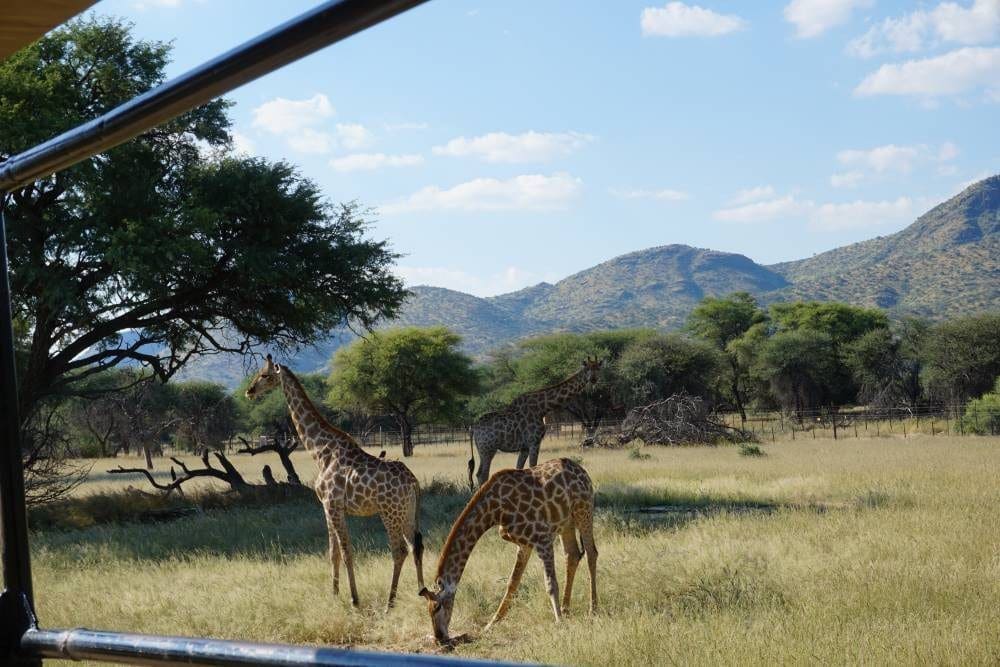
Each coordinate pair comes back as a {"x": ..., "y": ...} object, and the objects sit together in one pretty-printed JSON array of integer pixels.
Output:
[
  {"x": 547, "y": 557},
  {"x": 584, "y": 519},
  {"x": 573, "y": 555},
  {"x": 485, "y": 461},
  {"x": 397, "y": 546}
]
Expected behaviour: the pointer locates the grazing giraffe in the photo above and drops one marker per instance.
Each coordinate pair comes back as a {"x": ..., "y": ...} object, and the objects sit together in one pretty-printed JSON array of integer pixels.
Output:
[
  {"x": 351, "y": 482},
  {"x": 531, "y": 506},
  {"x": 520, "y": 426}
]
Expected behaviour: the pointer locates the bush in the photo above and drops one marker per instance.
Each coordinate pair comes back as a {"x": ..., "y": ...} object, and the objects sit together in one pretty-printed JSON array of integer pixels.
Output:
[{"x": 982, "y": 415}]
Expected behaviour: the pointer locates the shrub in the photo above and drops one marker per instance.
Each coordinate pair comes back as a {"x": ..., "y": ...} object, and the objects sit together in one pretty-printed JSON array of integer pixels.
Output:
[{"x": 982, "y": 415}]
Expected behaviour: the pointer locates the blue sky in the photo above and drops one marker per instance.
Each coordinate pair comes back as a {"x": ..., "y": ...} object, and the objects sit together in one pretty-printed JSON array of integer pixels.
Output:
[{"x": 505, "y": 143}]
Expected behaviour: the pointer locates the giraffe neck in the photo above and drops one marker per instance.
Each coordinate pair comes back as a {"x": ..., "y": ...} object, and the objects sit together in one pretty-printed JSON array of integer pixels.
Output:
[
  {"x": 481, "y": 514},
  {"x": 307, "y": 420},
  {"x": 556, "y": 396}
]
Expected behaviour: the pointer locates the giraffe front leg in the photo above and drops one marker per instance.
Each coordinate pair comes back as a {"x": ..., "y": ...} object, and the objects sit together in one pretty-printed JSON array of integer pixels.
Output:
[
  {"x": 523, "y": 554},
  {"x": 547, "y": 556},
  {"x": 533, "y": 453},
  {"x": 336, "y": 516},
  {"x": 334, "y": 554}
]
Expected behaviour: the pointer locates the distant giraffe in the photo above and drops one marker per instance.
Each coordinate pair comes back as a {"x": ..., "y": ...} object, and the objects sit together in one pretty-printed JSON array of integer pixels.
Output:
[
  {"x": 351, "y": 482},
  {"x": 520, "y": 426},
  {"x": 530, "y": 506}
]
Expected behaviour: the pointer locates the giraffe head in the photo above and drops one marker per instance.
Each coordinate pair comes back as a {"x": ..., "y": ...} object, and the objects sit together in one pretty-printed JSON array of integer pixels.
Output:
[
  {"x": 266, "y": 380},
  {"x": 592, "y": 370},
  {"x": 439, "y": 605}
]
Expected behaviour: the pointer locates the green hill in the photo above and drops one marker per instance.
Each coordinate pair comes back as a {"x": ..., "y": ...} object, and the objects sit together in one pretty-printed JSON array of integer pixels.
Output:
[{"x": 945, "y": 264}]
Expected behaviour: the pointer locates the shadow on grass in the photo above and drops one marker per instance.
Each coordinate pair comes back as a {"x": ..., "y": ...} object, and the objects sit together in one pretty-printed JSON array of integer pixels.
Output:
[{"x": 108, "y": 527}]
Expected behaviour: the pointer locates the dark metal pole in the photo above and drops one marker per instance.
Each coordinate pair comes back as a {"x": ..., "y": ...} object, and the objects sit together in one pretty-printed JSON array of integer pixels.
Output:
[
  {"x": 305, "y": 34},
  {"x": 137, "y": 649},
  {"x": 16, "y": 610}
]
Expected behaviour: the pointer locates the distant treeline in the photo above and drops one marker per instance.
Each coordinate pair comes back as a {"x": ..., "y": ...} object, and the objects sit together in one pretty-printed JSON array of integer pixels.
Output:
[{"x": 796, "y": 357}]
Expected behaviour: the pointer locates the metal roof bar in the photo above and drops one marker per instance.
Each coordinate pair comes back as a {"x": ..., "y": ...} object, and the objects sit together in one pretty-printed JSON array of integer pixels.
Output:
[
  {"x": 138, "y": 649},
  {"x": 328, "y": 23}
]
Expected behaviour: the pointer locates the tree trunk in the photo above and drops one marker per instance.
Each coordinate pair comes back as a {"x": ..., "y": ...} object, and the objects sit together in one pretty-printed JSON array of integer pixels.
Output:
[
  {"x": 736, "y": 392},
  {"x": 406, "y": 430},
  {"x": 148, "y": 451}
]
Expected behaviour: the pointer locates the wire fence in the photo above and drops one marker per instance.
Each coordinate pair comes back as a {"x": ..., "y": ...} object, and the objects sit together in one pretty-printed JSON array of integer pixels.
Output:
[{"x": 832, "y": 422}]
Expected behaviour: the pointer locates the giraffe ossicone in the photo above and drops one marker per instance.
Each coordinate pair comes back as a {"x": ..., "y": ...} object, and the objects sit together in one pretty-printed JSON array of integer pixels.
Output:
[
  {"x": 531, "y": 507},
  {"x": 350, "y": 482},
  {"x": 520, "y": 426}
]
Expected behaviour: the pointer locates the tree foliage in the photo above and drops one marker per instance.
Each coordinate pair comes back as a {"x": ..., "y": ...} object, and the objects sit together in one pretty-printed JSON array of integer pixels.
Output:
[
  {"x": 962, "y": 357},
  {"x": 159, "y": 250},
  {"x": 414, "y": 374},
  {"x": 721, "y": 321}
]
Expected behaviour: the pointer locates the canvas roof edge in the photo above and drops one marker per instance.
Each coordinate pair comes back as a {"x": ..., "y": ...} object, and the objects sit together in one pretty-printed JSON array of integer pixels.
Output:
[{"x": 24, "y": 21}]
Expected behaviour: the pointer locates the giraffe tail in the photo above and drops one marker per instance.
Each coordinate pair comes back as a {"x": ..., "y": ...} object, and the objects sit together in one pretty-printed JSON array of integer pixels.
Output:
[{"x": 472, "y": 459}]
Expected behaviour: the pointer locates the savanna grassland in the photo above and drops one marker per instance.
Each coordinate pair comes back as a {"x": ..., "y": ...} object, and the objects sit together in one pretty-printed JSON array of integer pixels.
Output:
[{"x": 881, "y": 550}]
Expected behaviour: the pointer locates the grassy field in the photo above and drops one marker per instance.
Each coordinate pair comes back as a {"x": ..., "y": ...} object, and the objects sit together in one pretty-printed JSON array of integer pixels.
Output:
[{"x": 879, "y": 550}]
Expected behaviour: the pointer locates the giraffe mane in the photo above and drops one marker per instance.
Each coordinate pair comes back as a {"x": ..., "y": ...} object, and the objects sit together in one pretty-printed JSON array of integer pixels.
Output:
[
  {"x": 460, "y": 521},
  {"x": 316, "y": 414},
  {"x": 551, "y": 386}
]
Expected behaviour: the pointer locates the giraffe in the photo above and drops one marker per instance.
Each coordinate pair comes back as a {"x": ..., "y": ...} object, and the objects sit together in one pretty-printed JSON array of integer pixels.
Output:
[
  {"x": 520, "y": 426},
  {"x": 531, "y": 506},
  {"x": 351, "y": 482}
]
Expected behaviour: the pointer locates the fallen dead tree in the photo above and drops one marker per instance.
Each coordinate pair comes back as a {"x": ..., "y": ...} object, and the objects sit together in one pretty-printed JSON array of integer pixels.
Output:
[
  {"x": 678, "y": 420},
  {"x": 226, "y": 473},
  {"x": 283, "y": 450}
]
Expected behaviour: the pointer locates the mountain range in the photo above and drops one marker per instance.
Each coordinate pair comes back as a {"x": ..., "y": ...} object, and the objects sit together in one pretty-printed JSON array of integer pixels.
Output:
[{"x": 945, "y": 264}]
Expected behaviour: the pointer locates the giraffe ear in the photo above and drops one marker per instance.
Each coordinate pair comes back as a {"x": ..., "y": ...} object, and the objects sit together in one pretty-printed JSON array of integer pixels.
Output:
[{"x": 428, "y": 594}]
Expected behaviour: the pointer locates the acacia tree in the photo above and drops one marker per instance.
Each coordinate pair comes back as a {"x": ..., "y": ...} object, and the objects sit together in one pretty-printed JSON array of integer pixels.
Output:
[
  {"x": 158, "y": 250},
  {"x": 962, "y": 357},
  {"x": 414, "y": 374},
  {"x": 721, "y": 321},
  {"x": 206, "y": 415}
]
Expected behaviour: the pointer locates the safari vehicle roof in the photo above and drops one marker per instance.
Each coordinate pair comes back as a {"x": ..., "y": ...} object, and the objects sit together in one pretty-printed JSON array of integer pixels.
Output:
[{"x": 24, "y": 21}]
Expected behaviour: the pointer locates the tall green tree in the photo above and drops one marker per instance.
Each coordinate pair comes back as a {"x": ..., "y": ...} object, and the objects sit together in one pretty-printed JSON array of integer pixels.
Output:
[
  {"x": 798, "y": 364},
  {"x": 962, "y": 357},
  {"x": 414, "y": 374},
  {"x": 158, "y": 250},
  {"x": 721, "y": 321},
  {"x": 842, "y": 324}
]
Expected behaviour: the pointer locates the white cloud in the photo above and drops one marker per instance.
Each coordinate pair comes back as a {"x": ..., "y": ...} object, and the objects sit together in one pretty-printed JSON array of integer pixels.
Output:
[
  {"x": 676, "y": 19},
  {"x": 372, "y": 161},
  {"x": 527, "y": 147},
  {"x": 947, "y": 22},
  {"x": 828, "y": 216},
  {"x": 768, "y": 209},
  {"x": 814, "y": 17},
  {"x": 281, "y": 116},
  {"x": 308, "y": 140},
  {"x": 353, "y": 136},
  {"x": 952, "y": 73},
  {"x": 753, "y": 194},
  {"x": 847, "y": 179},
  {"x": 665, "y": 194},
  {"x": 532, "y": 192},
  {"x": 301, "y": 123},
  {"x": 510, "y": 279},
  {"x": 883, "y": 158},
  {"x": 851, "y": 215},
  {"x": 243, "y": 144}
]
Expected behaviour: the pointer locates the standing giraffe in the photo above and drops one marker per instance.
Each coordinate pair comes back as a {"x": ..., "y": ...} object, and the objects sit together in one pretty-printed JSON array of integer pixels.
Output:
[
  {"x": 520, "y": 426},
  {"x": 351, "y": 482},
  {"x": 531, "y": 506}
]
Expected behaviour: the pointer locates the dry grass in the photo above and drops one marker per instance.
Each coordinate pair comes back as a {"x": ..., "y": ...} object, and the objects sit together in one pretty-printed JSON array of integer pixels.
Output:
[{"x": 876, "y": 551}]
